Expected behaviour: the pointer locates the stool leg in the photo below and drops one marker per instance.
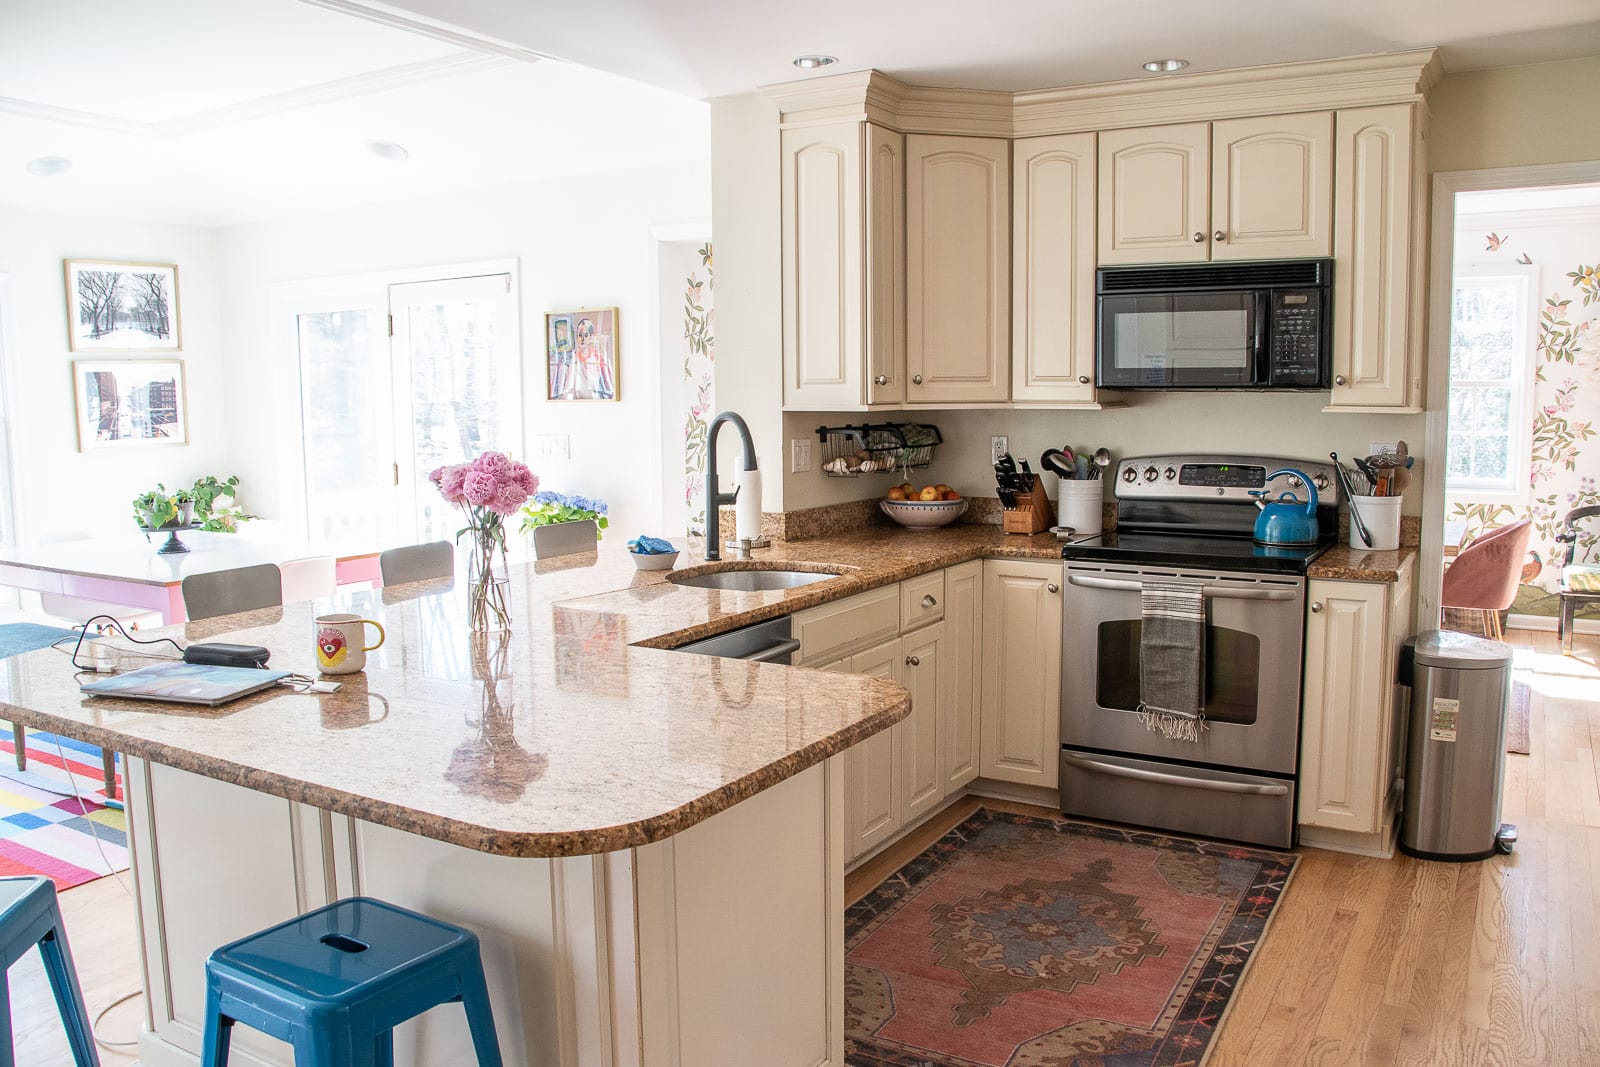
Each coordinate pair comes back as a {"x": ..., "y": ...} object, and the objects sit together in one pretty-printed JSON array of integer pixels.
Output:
[
  {"x": 69, "y": 998},
  {"x": 386, "y": 1049},
  {"x": 480, "y": 1017},
  {"x": 7, "y": 1053},
  {"x": 218, "y": 1033},
  {"x": 109, "y": 761},
  {"x": 19, "y": 742},
  {"x": 1566, "y": 617},
  {"x": 333, "y": 1047}
]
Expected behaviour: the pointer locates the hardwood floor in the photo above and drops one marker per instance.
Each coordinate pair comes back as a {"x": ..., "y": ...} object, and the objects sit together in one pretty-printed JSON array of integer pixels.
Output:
[{"x": 1404, "y": 961}]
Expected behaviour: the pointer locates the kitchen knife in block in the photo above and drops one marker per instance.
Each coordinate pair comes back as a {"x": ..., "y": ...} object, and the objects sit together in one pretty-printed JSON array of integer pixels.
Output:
[{"x": 1031, "y": 515}]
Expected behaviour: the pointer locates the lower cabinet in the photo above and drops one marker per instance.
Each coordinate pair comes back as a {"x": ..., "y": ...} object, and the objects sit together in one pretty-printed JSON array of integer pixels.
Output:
[
  {"x": 1021, "y": 709},
  {"x": 1352, "y": 730}
]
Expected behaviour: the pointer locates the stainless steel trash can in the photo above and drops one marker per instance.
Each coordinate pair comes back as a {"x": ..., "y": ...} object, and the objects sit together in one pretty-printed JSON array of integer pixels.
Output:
[{"x": 1456, "y": 746}]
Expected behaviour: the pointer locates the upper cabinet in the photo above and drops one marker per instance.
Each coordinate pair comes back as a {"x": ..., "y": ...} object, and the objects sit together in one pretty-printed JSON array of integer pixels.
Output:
[
  {"x": 958, "y": 269},
  {"x": 843, "y": 189},
  {"x": 1378, "y": 293},
  {"x": 1254, "y": 188}
]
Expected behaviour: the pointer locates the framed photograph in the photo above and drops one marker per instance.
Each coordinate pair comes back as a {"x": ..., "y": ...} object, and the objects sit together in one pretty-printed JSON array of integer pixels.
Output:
[
  {"x": 130, "y": 402},
  {"x": 581, "y": 354},
  {"x": 122, "y": 307}
]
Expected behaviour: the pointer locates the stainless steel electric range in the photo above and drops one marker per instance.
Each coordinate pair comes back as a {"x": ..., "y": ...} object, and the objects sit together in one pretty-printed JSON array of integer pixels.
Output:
[{"x": 1191, "y": 519}]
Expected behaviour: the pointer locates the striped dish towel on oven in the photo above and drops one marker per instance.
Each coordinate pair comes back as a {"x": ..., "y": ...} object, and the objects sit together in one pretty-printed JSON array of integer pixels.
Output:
[{"x": 1172, "y": 659}]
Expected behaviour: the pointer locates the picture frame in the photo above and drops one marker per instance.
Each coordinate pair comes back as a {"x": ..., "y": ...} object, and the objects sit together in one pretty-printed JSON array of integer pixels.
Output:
[
  {"x": 122, "y": 306},
  {"x": 128, "y": 403},
  {"x": 582, "y": 354}
]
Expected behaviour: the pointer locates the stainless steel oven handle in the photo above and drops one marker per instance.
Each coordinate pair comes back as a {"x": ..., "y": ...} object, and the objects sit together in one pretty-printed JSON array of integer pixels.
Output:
[
  {"x": 774, "y": 651},
  {"x": 1096, "y": 767},
  {"x": 1216, "y": 592}
]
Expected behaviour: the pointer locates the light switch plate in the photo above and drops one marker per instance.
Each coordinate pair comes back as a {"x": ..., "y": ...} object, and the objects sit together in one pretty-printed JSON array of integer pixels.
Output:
[
  {"x": 799, "y": 455},
  {"x": 548, "y": 446},
  {"x": 999, "y": 445}
]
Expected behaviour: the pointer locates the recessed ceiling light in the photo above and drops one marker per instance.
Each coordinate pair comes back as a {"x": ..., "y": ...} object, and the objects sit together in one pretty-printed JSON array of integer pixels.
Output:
[
  {"x": 394, "y": 153},
  {"x": 1165, "y": 66},
  {"x": 813, "y": 62},
  {"x": 49, "y": 166}
]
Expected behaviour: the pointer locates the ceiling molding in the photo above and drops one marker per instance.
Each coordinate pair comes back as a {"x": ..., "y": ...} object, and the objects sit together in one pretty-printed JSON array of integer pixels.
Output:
[
  {"x": 1470, "y": 223},
  {"x": 356, "y": 85},
  {"x": 385, "y": 15}
]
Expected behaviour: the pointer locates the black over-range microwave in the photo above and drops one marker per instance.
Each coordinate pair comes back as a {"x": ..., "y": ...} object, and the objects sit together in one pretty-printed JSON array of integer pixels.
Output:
[{"x": 1265, "y": 325}]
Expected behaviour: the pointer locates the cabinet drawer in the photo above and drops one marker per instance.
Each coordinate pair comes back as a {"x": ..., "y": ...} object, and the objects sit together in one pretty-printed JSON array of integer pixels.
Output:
[
  {"x": 832, "y": 630},
  {"x": 921, "y": 601}
]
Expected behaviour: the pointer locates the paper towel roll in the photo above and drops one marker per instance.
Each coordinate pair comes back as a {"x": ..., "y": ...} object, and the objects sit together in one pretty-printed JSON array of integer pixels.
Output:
[{"x": 747, "y": 509}]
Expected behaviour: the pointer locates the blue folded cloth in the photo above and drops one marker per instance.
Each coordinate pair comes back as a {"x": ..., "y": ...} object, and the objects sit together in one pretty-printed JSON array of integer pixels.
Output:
[{"x": 651, "y": 546}]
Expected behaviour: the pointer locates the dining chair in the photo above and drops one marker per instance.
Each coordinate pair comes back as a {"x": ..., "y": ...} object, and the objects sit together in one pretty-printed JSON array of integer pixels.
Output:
[
  {"x": 310, "y": 578},
  {"x": 1580, "y": 582},
  {"x": 1484, "y": 577},
  {"x": 565, "y": 538},
  {"x": 414, "y": 563},
  {"x": 214, "y": 593}
]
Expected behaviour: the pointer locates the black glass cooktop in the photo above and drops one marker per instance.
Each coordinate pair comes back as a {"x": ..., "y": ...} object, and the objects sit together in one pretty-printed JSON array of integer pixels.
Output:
[{"x": 1185, "y": 550}]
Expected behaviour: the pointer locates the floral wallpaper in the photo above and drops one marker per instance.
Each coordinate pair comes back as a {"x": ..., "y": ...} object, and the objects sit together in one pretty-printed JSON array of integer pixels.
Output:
[
  {"x": 1564, "y": 457},
  {"x": 699, "y": 364}
]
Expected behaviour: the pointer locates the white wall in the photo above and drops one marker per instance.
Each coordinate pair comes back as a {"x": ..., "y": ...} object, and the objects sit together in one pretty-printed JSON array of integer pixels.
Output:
[
  {"x": 581, "y": 241},
  {"x": 58, "y": 486}
]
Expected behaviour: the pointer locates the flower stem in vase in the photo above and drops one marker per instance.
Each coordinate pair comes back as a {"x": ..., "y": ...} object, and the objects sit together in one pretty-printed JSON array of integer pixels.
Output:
[{"x": 488, "y": 585}]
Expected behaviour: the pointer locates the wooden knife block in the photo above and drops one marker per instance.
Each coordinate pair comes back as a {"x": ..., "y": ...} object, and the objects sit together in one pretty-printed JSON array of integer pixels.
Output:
[{"x": 1032, "y": 513}]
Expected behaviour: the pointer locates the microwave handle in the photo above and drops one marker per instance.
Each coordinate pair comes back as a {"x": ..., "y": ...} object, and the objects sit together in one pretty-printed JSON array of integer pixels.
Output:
[{"x": 1260, "y": 355}]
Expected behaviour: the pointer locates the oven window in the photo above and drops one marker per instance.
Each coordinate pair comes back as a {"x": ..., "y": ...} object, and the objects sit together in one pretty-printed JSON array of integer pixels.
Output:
[
  {"x": 1233, "y": 671},
  {"x": 1177, "y": 339}
]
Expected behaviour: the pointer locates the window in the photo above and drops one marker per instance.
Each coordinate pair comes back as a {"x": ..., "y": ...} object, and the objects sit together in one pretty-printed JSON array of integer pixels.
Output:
[{"x": 1490, "y": 345}]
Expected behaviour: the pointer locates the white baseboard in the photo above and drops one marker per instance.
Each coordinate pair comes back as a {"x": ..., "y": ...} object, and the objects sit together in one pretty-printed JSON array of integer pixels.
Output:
[{"x": 1548, "y": 622}]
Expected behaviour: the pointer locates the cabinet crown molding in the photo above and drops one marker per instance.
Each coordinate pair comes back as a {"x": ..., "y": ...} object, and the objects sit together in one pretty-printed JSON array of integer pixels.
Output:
[{"x": 1279, "y": 89}]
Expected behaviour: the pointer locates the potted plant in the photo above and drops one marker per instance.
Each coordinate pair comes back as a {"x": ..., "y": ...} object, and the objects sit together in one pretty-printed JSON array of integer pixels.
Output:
[
  {"x": 155, "y": 509},
  {"x": 214, "y": 504},
  {"x": 547, "y": 509},
  {"x": 185, "y": 504}
]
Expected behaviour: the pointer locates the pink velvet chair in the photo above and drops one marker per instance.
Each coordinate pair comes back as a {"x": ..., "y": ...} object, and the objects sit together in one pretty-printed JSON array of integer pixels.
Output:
[{"x": 1485, "y": 575}]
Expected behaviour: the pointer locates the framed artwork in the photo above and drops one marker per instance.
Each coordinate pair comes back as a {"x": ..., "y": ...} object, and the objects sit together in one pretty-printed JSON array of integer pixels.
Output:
[
  {"x": 581, "y": 354},
  {"x": 129, "y": 402},
  {"x": 122, "y": 307}
]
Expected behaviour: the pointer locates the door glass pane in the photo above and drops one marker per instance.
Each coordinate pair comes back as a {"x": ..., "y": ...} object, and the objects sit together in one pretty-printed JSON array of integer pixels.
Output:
[
  {"x": 347, "y": 492},
  {"x": 1232, "y": 671}
]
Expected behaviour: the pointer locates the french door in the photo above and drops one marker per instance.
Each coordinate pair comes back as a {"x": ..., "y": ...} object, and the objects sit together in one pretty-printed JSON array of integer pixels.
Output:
[{"x": 396, "y": 380}]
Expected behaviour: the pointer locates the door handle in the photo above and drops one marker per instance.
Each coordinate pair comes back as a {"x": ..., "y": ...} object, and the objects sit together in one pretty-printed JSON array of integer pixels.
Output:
[
  {"x": 1094, "y": 766},
  {"x": 882, "y": 379},
  {"x": 913, "y": 661},
  {"x": 774, "y": 651},
  {"x": 1216, "y": 592},
  {"x": 930, "y": 601}
]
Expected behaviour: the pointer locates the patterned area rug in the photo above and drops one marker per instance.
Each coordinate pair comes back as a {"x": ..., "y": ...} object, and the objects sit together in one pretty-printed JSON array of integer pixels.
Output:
[
  {"x": 1028, "y": 942},
  {"x": 53, "y": 819},
  {"x": 1517, "y": 724}
]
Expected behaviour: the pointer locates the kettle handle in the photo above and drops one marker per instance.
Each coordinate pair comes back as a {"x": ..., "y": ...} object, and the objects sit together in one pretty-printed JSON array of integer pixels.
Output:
[{"x": 1311, "y": 505}]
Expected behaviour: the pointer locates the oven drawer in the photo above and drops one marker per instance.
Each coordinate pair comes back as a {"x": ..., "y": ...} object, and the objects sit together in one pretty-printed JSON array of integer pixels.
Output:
[{"x": 1191, "y": 800}]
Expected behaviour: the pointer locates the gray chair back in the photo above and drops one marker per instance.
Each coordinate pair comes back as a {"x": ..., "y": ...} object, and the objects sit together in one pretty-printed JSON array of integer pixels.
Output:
[
  {"x": 216, "y": 593},
  {"x": 414, "y": 563},
  {"x": 565, "y": 538}
]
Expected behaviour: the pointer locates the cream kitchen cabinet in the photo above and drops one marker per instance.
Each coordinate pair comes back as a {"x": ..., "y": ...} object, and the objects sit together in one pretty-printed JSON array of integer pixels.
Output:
[
  {"x": 958, "y": 270},
  {"x": 874, "y": 802},
  {"x": 1052, "y": 270},
  {"x": 1247, "y": 188},
  {"x": 1352, "y": 724},
  {"x": 1021, "y": 710},
  {"x": 843, "y": 225},
  {"x": 1380, "y": 186},
  {"x": 960, "y": 737}
]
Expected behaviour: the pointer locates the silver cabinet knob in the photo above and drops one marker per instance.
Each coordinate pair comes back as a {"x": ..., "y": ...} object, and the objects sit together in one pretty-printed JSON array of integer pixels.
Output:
[
  {"x": 882, "y": 379},
  {"x": 916, "y": 379},
  {"x": 1316, "y": 607},
  {"x": 1219, "y": 236},
  {"x": 913, "y": 661},
  {"x": 1339, "y": 379},
  {"x": 930, "y": 601},
  {"x": 1199, "y": 238},
  {"x": 1083, "y": 379},
  {"x": 1052, "y": 588}
]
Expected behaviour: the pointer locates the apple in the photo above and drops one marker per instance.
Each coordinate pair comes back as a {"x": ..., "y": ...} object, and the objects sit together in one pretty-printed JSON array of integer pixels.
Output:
[
  {"x": 908, "y": 489},
  {"x": 896, "y": 493},
  {"x": 928, "y": 493},
  {"x": 951, "y": 494},
  {"x": 943, "y": 488}
]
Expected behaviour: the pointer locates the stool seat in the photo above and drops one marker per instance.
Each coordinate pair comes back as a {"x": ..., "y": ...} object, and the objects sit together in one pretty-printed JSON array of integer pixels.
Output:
[
  {"x": 335, "y": 982},
  {"x": 29, "y": 916}
]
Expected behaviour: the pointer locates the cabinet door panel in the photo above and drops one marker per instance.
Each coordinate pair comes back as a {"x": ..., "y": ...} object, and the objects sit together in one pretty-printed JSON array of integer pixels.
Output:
[
  {"x": 963, "y": 618},
  {"x": 1345, "y": 709},
  {"x": 886, "y": 266},
  {"x": 923, "y": 674},
  {"x": 1022, "y": 672},
  {"x": 872, "y": 785},
  {"x": 1272, "y": 187},
  {"x": 958, "y": 269},
  {"x": 1154, "y": 194},
  {"x": 1053, "y": 249}
]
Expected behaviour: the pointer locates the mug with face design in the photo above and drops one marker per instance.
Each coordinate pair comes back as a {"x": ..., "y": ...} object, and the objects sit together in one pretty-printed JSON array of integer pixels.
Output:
[{"x": 339, "y": 641}]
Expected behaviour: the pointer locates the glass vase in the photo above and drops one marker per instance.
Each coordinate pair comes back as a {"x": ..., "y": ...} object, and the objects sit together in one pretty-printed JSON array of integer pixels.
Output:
[{"x": 488, "y": 585}]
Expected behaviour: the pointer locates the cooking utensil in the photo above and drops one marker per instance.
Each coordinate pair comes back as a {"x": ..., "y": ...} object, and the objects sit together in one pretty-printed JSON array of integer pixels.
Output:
[
  {"x": 1102, "y": 460},
  {"x": 1287, "y": 520},
  {"x": 1366, "y": 469},
  {"x": 1080, "y": 466},
  {"x": 1349, "y": 499},
  {"x": 1057, "y": 461}
]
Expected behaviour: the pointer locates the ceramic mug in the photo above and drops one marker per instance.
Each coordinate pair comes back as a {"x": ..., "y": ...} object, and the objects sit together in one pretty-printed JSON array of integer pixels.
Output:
[{"x": 339, "y": 643}]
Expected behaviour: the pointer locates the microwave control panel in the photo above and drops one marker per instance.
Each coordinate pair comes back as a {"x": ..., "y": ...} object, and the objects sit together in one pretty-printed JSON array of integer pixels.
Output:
[{"x": 1296, "y": 336}]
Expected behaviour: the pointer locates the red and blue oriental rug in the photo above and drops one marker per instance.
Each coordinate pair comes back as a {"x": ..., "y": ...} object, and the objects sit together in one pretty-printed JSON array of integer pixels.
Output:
[{"x": 1030, "y": 942}]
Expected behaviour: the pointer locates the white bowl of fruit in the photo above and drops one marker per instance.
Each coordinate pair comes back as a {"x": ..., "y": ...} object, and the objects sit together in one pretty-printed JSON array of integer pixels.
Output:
[{"x": 925, "y": 508}]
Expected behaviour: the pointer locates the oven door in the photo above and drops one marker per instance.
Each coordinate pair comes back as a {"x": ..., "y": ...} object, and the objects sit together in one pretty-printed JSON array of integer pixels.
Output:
[
  {"x": 1254, "y": 635},
  {"x": 1182, "y": 340}
]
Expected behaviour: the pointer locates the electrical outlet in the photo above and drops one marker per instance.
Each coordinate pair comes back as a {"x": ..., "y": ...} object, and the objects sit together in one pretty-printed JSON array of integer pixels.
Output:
[
  {"x": 548, "y": 446},
  {"x": 999, "y": 445},
  {"x": 1382, "y": 448},
  {"x": 799, "y": 455}
]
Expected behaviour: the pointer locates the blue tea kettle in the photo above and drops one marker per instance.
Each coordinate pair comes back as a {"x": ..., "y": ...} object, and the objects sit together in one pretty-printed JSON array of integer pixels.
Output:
[{"x": 1287, "y": 520}]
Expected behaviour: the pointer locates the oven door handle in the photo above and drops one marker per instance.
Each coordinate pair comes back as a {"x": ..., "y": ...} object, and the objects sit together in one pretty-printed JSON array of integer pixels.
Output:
[
  {"x": 1216, "y": 592},
  {"x": 1094, "y": 766}
]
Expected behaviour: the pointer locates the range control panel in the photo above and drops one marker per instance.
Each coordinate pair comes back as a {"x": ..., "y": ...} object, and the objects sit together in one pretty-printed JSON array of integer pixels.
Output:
[{"x": 1219, "y": 478}]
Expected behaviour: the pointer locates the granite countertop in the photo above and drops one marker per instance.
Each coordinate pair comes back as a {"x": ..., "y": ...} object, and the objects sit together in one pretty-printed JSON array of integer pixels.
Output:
[{"x": 1343, "y": 563}]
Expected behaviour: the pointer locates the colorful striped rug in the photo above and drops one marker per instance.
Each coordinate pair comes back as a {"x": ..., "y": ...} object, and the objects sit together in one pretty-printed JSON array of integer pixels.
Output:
[{"x": 54, "y": 819}]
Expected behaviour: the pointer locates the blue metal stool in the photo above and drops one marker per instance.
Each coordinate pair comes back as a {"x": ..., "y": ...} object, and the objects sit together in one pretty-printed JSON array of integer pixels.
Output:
[
  {"x": 30, "y": 916},
  {"x": 335, "y": 982}
]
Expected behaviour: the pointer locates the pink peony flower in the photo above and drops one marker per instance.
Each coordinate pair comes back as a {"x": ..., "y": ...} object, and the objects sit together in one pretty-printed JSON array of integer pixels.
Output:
[
  {"x": 525, "y": 478},
  {"x": 451, "y": 483},
  {"x": 492, "y": 463},
  {"x": 479, "y": 487},
  {"x": 508, "y": 500}
]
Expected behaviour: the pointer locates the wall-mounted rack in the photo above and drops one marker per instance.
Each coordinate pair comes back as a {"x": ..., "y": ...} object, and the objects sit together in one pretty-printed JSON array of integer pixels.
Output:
[{"x": 877, "y": 448}]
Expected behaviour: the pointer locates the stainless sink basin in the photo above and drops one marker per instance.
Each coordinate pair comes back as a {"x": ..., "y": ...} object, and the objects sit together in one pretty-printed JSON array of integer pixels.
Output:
[{"x": 750, "y": 581}]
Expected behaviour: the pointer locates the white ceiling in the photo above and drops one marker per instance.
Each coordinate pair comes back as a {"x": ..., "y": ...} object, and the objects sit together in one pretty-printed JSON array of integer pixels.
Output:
[
  {"x": 215, "y": 112},
  {"x": 710, "y": 48}
]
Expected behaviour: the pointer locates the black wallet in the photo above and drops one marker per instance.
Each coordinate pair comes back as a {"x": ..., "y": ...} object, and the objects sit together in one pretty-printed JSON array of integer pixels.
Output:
[{"x": 217, "y": 654}]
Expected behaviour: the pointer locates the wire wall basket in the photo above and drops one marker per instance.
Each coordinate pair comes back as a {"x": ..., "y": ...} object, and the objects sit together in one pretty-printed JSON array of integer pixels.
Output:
[{"x": 877, "y": 448}]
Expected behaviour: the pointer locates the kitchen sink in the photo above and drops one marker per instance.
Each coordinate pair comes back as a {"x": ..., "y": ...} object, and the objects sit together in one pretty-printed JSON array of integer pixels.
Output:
[{"x": 748, "y": 580}]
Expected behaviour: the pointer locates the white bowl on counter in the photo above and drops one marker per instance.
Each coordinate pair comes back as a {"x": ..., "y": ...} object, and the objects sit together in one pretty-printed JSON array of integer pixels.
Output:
[
  {"x": 655, "y": 561},
  {"x": 923, "y": 514}
]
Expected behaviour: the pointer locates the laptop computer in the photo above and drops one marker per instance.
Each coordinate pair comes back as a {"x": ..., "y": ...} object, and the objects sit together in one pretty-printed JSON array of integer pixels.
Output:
[{"x": 185, "y": 683}]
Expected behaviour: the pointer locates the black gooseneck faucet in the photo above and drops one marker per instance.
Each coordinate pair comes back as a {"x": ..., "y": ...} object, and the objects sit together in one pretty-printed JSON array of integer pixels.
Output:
[{"x": 715, "y": 498}]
